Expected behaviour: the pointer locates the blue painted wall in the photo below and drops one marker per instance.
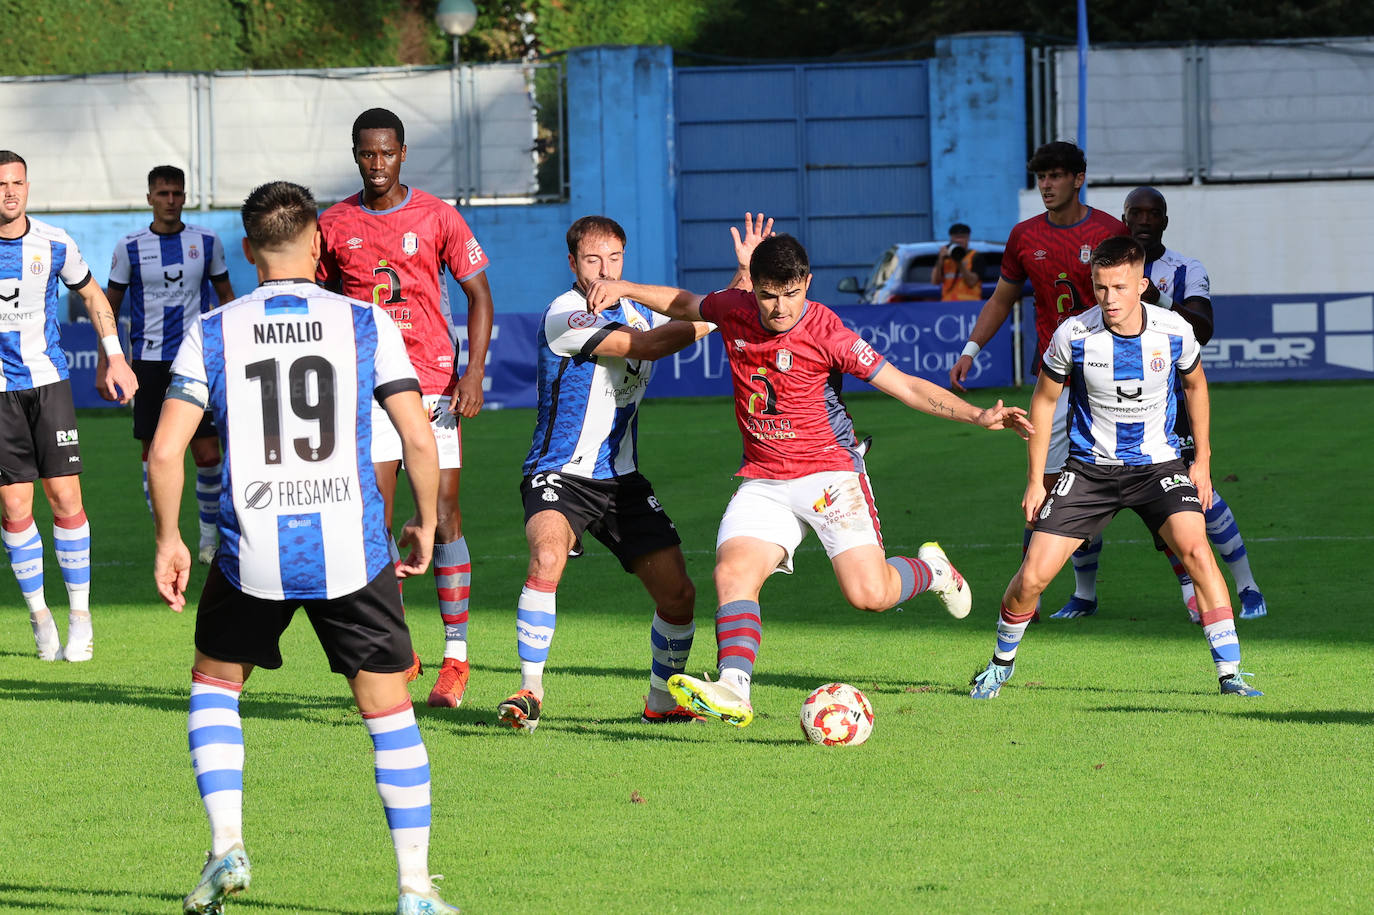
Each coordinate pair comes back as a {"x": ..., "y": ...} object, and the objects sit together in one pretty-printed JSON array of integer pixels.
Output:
[{"x": 978, "y": 126}]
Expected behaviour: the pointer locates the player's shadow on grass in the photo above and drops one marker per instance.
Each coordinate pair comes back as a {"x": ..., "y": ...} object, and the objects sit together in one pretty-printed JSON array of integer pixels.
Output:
[
  {"x": 262, "y": 705},
  {"x": 1292, "y": 716},
  {"x": 24, "y": 898}
]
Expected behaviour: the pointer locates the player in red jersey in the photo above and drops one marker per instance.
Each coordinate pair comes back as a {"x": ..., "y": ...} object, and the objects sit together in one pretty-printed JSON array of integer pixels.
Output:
[
  {"x": 389, "y": 244},
  {"x": 1052, "y": 251},
  {"x": 801, "y": 467}
]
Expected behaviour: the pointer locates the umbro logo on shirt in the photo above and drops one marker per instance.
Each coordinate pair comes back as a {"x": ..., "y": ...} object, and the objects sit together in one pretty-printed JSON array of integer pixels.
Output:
[{"x": 355, "y": 242}]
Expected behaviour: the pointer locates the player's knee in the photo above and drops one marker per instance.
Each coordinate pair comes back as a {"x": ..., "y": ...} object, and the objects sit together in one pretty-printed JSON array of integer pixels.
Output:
[
  {"x": 677, "y": 605},
  {"x": 547, "y": 564},
  {"x": 449, "y": 527},
  {"x": 869, "y": 596}
]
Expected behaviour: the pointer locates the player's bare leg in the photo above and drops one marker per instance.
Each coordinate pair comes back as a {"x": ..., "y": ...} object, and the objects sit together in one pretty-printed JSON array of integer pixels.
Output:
[
  {"x": 1186, "y": 535},
  {"x": 205, "y": 454},
  {"x": 664, "y": 574},
  {"x": 387, "y": 473},
  {"x": 24, "y": 546},
  {"x": 1045, "y": 556},
  {"x": 550, "y": 538},
  {"x": 871, "y": 581}
]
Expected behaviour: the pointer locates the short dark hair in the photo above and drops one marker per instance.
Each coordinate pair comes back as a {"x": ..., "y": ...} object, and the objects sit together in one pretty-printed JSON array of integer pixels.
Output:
[
  {"x": 778, "y": 261},
  {"x": 276, "y": 213},
  {"x": 960, "y": 229},
  {"x": 378, "y": 119},
  {"x": 1118, "y": 250},
  {"x": 168, "y": 174},
  {"x": 592, "y": 225},
  {"x": 9, "y": 158},
  {"x": 1058, "y": 154}
]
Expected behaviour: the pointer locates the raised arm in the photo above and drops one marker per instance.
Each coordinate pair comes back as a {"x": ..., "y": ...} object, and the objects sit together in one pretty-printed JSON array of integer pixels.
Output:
[
  {"x": 666, "y": 300},
  {"x": 755, "y": 231},
  {"x": 929, "y": 397},
  {"x": 992, "y": 317},
  {"x": 664, "y": 340}
]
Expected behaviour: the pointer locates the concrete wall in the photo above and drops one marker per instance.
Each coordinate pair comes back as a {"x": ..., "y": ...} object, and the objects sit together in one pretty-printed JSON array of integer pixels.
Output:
[
  {"x": 620, "y": 143},
  {"x": 977, "y": 132},
  {"x": 1261, "y": 239}
]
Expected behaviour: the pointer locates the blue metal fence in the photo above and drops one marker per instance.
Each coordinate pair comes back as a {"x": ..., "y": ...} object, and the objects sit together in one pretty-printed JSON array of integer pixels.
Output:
[{"x": 839, "y": 154}]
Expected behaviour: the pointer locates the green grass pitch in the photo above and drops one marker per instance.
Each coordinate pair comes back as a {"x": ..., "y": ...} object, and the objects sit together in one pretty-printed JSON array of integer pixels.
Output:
[{"x": 1108, "y": 776}]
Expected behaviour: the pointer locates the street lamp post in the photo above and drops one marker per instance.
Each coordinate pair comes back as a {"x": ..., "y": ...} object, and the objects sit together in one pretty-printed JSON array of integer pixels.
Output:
[{"x": 456, "y": 18}]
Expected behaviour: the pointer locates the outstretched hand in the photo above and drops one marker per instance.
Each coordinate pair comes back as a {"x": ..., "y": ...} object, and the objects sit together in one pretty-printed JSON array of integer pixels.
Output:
[
  {"x": 755, "y": 231},
  {"x": 998, "y": 417}
]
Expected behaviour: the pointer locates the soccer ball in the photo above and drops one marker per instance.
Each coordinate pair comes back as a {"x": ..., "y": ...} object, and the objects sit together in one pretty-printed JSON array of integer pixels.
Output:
[{"x": 836, "y": 714}]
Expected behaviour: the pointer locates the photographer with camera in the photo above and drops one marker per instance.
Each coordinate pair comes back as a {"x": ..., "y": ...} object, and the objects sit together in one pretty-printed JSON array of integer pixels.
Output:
[{"x": 956, "y": 267}]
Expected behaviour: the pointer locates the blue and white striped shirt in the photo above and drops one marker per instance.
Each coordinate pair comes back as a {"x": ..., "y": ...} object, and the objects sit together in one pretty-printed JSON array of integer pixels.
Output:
[
  {"x": 290, "y": 372},
  {"x": 31, "y": 352},
  {"x": 170, "y": 283},
  {"x": 1122, "y": 400}
]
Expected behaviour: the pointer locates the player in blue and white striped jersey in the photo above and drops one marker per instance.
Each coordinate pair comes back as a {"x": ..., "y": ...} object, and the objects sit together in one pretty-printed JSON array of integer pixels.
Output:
[
  {"x": 38, "y": 438},
  {"x": 1119, "y": 362},
  {"x": 171, "y": 274},
  {"x": 290, "y": 372},
  {"x": 582, "y": 473},
  {"x": 1179, "y": 283}
]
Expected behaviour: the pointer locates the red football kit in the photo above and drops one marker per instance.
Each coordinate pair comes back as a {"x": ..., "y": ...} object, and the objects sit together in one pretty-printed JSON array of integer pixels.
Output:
[
  {"x": 394, "y": 258},
  {"x": 1048, "y": 254},
  {"x": 787, "y": 386}
]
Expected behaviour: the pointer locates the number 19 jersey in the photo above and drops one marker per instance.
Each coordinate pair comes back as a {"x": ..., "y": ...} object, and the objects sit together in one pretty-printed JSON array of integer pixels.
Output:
[{"x": 290, "y": 372}]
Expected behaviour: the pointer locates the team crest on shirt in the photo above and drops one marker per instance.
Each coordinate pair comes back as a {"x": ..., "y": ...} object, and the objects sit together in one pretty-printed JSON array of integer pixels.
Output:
[
  {"x": 784, "y": 360},
  {"x": 193, "y": 253},
  {"x": 410, "y": 243},
  {"x": 581, "y": 319},
  {"x": 36, "y": 266},
  {"x": 1085, "y": 253},
  {"x": 1156, "y": 362}
]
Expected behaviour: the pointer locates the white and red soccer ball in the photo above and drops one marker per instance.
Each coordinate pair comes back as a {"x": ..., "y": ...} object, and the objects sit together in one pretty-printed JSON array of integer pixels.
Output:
[{"x": 836, "y": 715}]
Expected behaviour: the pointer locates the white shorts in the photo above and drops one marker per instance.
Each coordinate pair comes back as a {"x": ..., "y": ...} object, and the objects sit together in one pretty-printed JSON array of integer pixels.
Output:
[
  {"x": 386, "y": 442},
  {"x": 837, "y": 504},
  {"x": 1059, "y": 434}
]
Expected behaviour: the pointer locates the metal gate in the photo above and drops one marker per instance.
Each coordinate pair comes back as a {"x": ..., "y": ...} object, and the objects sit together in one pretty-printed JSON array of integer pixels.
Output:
[{"x": 839, "y": 154}]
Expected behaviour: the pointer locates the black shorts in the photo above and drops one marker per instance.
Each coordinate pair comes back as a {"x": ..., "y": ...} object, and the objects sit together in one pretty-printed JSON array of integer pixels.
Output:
[
  {"x": 38, "y": 434},
  {"x": 1087, "y": 496},
  {"x": 623, "y": 513},
  {"x": 365, "y": 630},
  {"x": 153, "y": 378}
]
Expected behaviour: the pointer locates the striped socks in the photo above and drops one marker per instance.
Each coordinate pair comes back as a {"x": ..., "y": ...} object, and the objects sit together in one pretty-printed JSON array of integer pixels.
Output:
[
  {"x": 215, "y": 734},
  {"x": 452, "y": 579},
  {"x": 915, "y": 576},
  {"x": 670, "y": 643},
  {"x": 1225, "y": 535},
  {"x": 25, "y": 548},
  {"x": 1011, "y": 627},
  {"x": 1085, "y": 569},
  {"x": 739, "y": 630},
  {"x": 207, "y": 500},
  {"x": 1220, "y": 629},
  {"x": 402, "y": 770},
  {"x": 534, "y": 622}
]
